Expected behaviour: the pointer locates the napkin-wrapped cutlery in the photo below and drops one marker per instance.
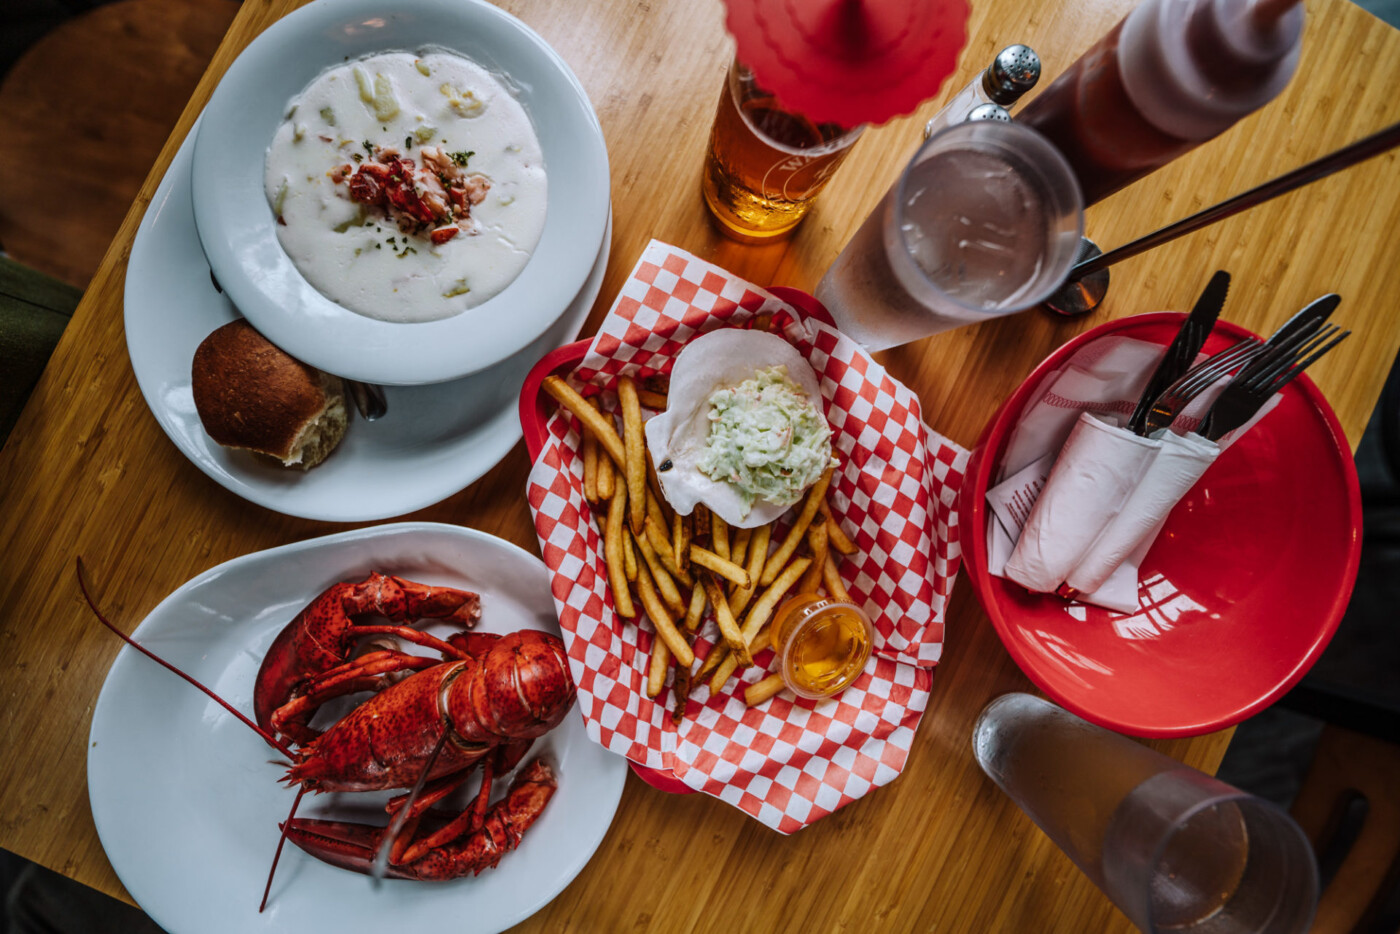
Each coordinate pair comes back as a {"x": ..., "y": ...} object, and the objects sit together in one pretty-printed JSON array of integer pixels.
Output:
[{"x": 1110, "y": 489}]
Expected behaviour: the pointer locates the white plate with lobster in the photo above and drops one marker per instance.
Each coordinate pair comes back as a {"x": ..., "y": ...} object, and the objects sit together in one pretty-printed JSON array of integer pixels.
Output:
[{"x": 187, "y": 800}]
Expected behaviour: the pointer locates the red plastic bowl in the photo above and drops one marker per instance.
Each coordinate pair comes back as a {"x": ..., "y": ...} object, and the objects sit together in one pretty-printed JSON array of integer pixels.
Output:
[
  {"x": 536, "y": 407},
  {"x": 1241, "y": 592}
]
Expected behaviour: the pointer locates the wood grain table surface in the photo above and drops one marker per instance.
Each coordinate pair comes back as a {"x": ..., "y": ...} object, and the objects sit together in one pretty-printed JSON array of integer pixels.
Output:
[{"x": 89, "y": 472}]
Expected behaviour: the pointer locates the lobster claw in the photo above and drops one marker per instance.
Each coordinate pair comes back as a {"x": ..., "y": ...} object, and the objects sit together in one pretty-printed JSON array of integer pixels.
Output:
[{"x": 341, "y": 843}]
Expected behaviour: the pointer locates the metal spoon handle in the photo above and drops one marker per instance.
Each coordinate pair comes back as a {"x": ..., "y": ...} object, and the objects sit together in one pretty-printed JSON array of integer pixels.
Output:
[
  {"x": 1349, "y": 155},
  {"x": 368, "y": 398}
]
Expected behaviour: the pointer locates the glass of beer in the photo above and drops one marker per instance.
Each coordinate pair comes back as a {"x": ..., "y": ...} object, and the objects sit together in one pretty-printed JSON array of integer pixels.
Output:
[
  {"x": 1177, "y": 850},
  {"x": 766, "y": 164}
]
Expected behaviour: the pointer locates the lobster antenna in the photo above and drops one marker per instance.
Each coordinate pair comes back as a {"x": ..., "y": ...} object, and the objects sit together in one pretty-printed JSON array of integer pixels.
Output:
[
  {"x": 281, "y": 841},
  {"x": 381, "y": 859},
  {"x": 82, "y": 585}
]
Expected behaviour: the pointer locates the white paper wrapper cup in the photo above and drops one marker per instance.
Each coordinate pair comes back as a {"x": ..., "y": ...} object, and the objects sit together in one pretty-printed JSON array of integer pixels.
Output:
[
  {"x": 1092, "y": 480},
  {"x": 1171, "y": 474}
]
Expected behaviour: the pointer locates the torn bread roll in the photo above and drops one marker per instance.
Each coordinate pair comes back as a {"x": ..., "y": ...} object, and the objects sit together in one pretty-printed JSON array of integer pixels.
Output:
[{"x": 251, "y": 394}]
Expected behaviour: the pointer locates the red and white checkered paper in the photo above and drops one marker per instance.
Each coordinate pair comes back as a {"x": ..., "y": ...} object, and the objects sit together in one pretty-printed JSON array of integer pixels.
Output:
[{"x": 786, "y": 762}]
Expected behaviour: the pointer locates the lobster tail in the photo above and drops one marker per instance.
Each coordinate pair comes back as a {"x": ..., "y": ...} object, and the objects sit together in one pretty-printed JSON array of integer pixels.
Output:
[{"x": 520, "y": 689}]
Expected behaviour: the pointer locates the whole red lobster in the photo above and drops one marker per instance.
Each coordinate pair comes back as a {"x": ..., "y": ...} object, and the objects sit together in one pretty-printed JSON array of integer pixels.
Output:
[{"x": 490, "y": 698}]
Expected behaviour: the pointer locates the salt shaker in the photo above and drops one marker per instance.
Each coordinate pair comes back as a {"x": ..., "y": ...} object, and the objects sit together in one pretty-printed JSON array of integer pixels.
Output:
[{"x": 1011, "y": 74}]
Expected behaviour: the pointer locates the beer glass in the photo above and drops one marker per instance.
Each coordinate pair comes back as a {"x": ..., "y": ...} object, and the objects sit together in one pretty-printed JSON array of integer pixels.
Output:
[
  {"x": 984, "y": 221},
  {"x": 766, "y": 164},
  {"x": 1175, "y": 849}
]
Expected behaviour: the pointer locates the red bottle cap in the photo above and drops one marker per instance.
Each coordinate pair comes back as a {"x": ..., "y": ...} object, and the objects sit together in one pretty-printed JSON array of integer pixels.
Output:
[{"x": 849, "y": 61}]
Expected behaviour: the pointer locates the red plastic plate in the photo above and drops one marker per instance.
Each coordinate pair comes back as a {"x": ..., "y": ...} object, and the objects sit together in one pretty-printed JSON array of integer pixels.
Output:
[{"x": 1241, "y": 592}]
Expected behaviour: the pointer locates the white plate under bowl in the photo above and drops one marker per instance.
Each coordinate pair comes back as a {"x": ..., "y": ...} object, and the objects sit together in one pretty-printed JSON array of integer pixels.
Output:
[
  {"x": 187, "y": 802},
  {"x": 434, "y": 442},
  {"x": 237, "y": 226}
]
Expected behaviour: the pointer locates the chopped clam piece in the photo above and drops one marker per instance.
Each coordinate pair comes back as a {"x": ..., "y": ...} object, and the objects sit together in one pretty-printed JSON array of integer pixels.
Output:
[
  {"x": 386, "y": 104},
  {"x": 465, "y": 103},
  {"x": 366, "y": 86}
]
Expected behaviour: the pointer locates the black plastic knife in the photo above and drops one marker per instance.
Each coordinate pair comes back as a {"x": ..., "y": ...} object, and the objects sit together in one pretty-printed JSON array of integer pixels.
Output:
[{"x": 1182, "y": 352}]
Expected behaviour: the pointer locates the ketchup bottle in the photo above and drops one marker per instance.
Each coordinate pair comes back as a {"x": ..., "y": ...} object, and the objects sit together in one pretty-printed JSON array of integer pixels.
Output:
[{"x": 1171, "y": 75}]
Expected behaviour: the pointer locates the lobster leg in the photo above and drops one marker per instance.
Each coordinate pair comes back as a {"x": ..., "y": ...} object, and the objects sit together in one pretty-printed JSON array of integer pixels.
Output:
[
  {"x": 353, "y": 846},
  {"x": 469, "y": 820}
]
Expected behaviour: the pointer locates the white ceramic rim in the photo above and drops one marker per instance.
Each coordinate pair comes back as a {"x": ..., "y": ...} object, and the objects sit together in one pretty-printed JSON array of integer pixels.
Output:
[{"x": 236, "y": 224}]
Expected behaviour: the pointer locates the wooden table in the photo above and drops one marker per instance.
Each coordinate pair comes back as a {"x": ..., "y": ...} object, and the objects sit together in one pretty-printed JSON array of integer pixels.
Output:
[{"x": 89, "y": 472}]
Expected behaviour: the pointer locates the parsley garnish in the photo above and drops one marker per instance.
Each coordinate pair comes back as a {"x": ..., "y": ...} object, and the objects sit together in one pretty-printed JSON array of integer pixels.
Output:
[{"x": 460, "y": 158}]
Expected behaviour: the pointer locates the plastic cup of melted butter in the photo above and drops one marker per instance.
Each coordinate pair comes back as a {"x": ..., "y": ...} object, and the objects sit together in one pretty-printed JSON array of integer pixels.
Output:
[{"x": 822, "y": 644}]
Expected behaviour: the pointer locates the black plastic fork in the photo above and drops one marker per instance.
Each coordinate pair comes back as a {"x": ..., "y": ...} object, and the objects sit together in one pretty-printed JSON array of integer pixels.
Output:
[{"x": 1266, "y": 375}]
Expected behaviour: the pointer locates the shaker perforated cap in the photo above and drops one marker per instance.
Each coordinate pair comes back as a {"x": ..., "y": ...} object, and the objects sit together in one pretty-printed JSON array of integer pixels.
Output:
[
  {"x": 1012, "y": 73},
  {"x": 989, "y": 112}
]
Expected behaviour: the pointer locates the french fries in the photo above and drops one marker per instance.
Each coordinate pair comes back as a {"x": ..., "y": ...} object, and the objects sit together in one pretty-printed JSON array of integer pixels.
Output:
[
  {"x": 721, "y": 566},
  {"x": 629, "y": 555},
  {"x": 839, "y": 540},
  {"x": 817, "y": 541},
  {"x": 831, "y": 577},
  {"x": 696, "y": 611},
  {"x": 727, "y": 626},
  {"x": 682, "y": 570},
  {"x": 763, "y": 610},
  {"x": 760, "y": 691},
  {"x": 590, "y": 467},
  {"x": 592, "y": 419},
  {"x": 660, "y": 664},
  {"x": 613, "y": 553},
  {"x": 739, "y": 550},
  {"x": 606, "y": 479},
  {"x": 661, "y": 619},
  {"x": 779, "y": 558},
  {"x": 662, "y": 548},
  {"x": 634, "y": 450},
  {"x": 682, "y": 532},
  {"x": 758, "y": 555},
  {"x": 719, "y": 536},
  {"x": 665, "y": 584}
]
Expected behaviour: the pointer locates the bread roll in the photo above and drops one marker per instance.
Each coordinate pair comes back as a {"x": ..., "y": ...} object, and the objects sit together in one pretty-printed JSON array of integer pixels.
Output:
[{"x": 251, "y": 394}]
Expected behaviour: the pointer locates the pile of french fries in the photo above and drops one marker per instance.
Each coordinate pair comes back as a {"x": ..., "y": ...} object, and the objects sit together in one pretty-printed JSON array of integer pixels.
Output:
[{"x": 682, "y": 570}]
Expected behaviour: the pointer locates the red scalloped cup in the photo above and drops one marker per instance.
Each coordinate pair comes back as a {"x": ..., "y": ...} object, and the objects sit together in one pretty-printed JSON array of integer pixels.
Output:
[
  {"x": 536, "y": 408},
  {"x": 849, "y": 61},
  {"x": 1240, "y": 594}
]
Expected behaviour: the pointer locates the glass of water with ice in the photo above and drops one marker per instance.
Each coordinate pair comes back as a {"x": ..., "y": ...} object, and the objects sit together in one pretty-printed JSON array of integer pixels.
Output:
[{"x": 984, "y": 221}]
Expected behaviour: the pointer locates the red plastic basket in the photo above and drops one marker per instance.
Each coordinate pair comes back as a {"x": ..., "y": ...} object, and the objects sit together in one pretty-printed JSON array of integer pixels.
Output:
[{"x": 536, "y": 407}]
